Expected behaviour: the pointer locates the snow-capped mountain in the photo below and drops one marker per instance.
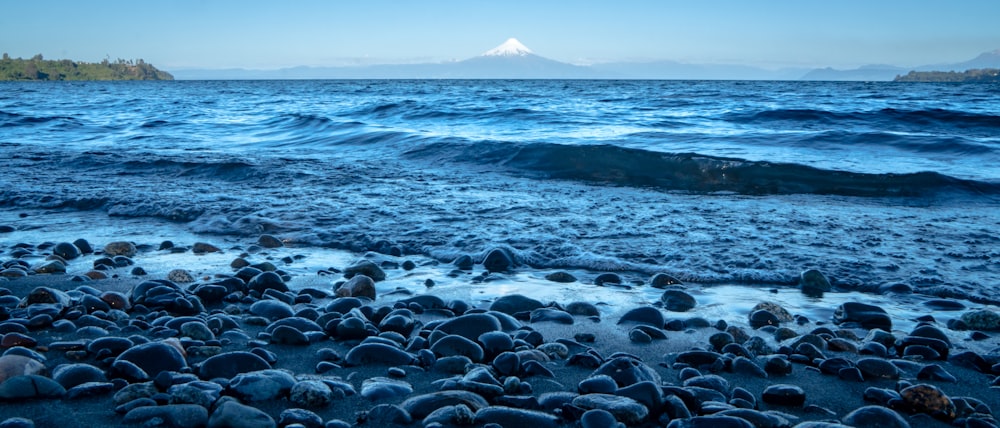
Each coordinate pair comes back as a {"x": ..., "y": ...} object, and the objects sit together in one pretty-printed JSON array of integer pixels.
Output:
[{"x": 512, "y": 47}]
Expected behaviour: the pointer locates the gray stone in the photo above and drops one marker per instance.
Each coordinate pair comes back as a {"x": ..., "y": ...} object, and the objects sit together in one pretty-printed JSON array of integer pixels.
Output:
[
  {"x": 359, "y": 285},
  {"x": 366, "y": 268},
  {"x": 120, "y": 248},
  {"x": 875, "y": 417},
  {"x": 624, "y": 409},
  {"x": 233, "y": 414},
  {"x": 813, "y": 283},
  {"x": 262, "y": 385},
  {"x": 311, "y": 393},
  {"x": 383, "y": 388},
  {"x": 174, "y": 415},
  {"x": 678, "y": 301}
]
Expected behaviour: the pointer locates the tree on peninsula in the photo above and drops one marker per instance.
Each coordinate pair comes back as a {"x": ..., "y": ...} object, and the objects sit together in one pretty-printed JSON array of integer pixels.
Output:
[{"x": 38, "y": 68}]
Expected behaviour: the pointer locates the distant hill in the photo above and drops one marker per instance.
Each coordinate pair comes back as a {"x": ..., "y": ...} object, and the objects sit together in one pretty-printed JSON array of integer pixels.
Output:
[
  {"x": 875, "y": 72},
  {"x": 38, "y": 68},
  {"x": 513, "y": 60},
  {"x": 982, "y": 75},
  {"x": 889, "y": 72}
]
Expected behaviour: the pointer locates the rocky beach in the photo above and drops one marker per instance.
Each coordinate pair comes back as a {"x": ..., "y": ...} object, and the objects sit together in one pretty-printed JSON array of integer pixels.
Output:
[{"x": 253, "y": 333}]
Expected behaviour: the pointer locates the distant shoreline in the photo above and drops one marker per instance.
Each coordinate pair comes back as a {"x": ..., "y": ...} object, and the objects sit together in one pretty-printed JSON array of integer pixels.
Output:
[{"x": 39, "y": 69}]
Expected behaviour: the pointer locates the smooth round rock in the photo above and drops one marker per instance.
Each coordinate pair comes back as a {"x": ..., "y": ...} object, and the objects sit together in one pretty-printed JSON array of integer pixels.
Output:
[
  {"x": 813, "y": 283},
  {"x": 645, "y": 315},
  {"x": 120, "y": 248},
  {"x": 273, "y": 310},
  {"x": 713, "y": 421},
  {"x": 784, "y": 395},
  {"x": 624, "y": 409},
  {"x": 453, "y": 344},
  {"x": 678, "y": 301},
  {"x": 422, "y": 405},
  {"x": 155, "y": 357},
  {"x": 470, "y": 326},
  {"x": 234, "y": 414},
  {"x": 498, "y": 260},
  {"x": 262, "y": 385},
  {"x": 627, "y": 371},
  {"x": 70, "y": 375},
  {"x": 877, "y": 368},
  {"x": 514, "y": 303},
  {"x": 561, "y": 277},
  {"x": 383, "y": 388},
  {"x": 173, "y": 415},
  {"x": 302, "y": 417},
  {"x": 378, "y": 353},
  {"x": 867, "y": 316},
  {"x": 359, "y": 285},
  {"x": 30, "y": 386},
  {"x": 366, "y": 268},
  {"x": 875, "y": 417},
  {"x": 230, "y": 364},
  {"x": 66, "y": 250},
  {"x": 925, "y": 398},
  {"x": 311, "y": 394},
  {"x": 513, "y": 417},
  {"x": 551, "y": 315},
  {"x": 270, "y": 241}
]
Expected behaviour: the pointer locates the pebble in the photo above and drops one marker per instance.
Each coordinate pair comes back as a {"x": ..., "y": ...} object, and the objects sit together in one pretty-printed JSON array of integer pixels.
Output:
[
  {"x": 359, "y": 285},
  {"x": 180, "y": 276},
  {"x": 155, "y": 357},
  {"x": 624, "y": 409},
  {"x": 865, "y": 315},
  {"x": 645, "y": 315},
  {"x": 677, "y": 301},
  {"x": 560, "y": 277},
  {"x": 66, "y": 251},
  {"x": 877, "y": 368},
  {"x": 70, "y": 375},
  {"x": 627, "y": 371},
  {"x": 174, "y": 415},
  {"x": 813, "y": 283},
  {"x": 551, "y": 315},
  {"x": 269, "y": 241},
  {"x": 230, "y": 364},
  {"x": 234, "y": 414},
  {"x": 452, "y": 345},
  {"x": 599, "y": 418},
  {"x": 712, "y": 421},
  {"x": 120, "y": 248},
  {"x": 204, "y": 247},
  {"x": 30, "y": 386},
  {"x": 262, "y": 385},
  {"x": 263, "y": 281},
  {"x": 498, "y": 260},
  {"x": 925, "y": 398},
  {"x": 784, "y": 395},
  {"x": 515, "y": 303},
  {"x": 513, "y": 417},
  {"x": 422, "y": 405},
  {"x": 875, "y": 417},
  {"x": 383, "y": 388},
  {"x": 982, "y": 319},
  {"x": 378, "y": 353},
  {"x": 311, "y": 393},
  {"x": 366, "y": 268}
]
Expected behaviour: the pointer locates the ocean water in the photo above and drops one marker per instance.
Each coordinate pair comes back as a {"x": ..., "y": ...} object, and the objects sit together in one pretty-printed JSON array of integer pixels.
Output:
[{"x": 741, "y": 184}]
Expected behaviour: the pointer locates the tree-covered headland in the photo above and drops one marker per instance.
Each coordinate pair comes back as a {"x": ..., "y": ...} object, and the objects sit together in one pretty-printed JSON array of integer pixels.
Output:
[
  {"x": 981, "y": 75},
  {"x": 38, "y": 68}
]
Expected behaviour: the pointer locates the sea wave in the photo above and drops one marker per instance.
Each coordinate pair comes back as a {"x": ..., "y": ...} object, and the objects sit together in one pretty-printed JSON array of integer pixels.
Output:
[
  {"x": 693, "y": 172},
  {"x": 887, "y": 117}
]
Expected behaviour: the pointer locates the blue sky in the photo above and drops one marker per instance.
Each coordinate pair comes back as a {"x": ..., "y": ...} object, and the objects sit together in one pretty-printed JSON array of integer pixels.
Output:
[{"x": 174, "y": 34}]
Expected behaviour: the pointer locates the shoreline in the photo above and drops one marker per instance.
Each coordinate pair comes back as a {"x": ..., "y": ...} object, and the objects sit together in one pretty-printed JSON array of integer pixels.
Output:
[{"x": 660, "y": 340}]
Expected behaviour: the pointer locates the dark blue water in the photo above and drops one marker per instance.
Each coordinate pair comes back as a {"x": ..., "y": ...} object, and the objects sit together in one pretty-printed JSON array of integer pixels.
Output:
[{"x": 714, "y": 182}]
